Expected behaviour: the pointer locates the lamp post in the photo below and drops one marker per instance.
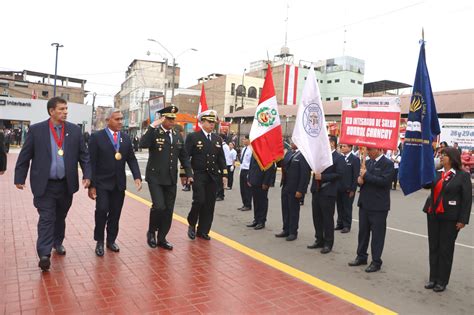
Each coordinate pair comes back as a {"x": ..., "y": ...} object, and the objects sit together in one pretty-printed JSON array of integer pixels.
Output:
[
  {"x": 174, "y": 64},
  {"x": 57, "y": 45}
]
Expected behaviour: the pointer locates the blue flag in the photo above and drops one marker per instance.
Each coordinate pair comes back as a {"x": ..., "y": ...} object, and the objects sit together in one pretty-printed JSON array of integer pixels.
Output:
[{"x": 417, "y": 164}]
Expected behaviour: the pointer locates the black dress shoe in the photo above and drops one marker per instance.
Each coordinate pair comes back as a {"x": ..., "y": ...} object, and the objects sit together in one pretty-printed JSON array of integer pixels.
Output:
[
  {"x": 291, "y": 237},
  {"x": 44, "y": 263},
  {"x": 326, "y": 249},
  {"x": 60, "y": 250},
  {"x": 165, "y": 245},
  {"x": 439, "y": 288},
  {"x": 430, "y": 285},
  {"x": 113, "y": 247},
  {"x": 357, "y": 262},
  {"x": 315, "y": 245},
  {"x": 204, "y": 236},
  {"x": 99, "y": 249},
  {"x": 219, "y": 199},
  {"x": 282, "y": 234},
  {"x": 338, "y": 227},
  {"x": 253, "y": 224},
  {"x": 373, "y": 267},
  {"x": 245, "y": 209},
  {"x": 191, "y": 232},
  {"x": 345, "y": 230},
  {"x": 259, "y": 226},
  {"x": 151, "y": 239}
]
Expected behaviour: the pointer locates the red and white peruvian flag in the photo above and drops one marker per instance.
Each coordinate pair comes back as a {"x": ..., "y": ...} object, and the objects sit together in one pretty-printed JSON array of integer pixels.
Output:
[
  {"x": 266, "y": 136},
  {"x": 202, "y": 107},
  {"x": 291, "y": 85}
]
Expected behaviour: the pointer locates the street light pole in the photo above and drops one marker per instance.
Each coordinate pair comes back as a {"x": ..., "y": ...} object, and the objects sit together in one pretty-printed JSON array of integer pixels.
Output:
[
  {"x": 174, "y": 64},
  {"x": 57, "y": 45}
]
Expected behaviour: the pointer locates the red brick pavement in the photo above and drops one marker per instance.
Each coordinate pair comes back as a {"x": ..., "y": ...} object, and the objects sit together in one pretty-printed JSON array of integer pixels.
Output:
[{"x": 196, "y": 277}]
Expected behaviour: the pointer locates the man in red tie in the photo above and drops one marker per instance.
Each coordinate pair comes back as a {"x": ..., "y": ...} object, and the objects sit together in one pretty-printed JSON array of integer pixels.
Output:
[{"x": 110, "y": 150}]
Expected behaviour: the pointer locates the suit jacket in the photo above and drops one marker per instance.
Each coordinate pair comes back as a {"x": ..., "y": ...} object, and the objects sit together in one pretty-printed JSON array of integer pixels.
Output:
[
  {"x": 162, "y": 166},
  {"x": 350, "y": 174},
  {"x": 375, "y": 192},
  {"x": 257, "y": 177},
  {"x": 207, "y": 157},
  {"x": 296, "y": 173},
  {"x": 3, "y": 153},
  {"x": 330, "y": 177},
  {"x": 457, "y": 198},
  {"x": 107, "y": 172},
  {"x": 37, "y": 149}
]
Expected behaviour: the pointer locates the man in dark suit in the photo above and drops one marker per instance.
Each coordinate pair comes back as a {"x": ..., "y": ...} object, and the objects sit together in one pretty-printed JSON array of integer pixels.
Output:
[
  {"x": 209, "y": 168},
  {"x": 54, "y": 147},
  {"x": 296, "y": 174},
  {"x": 324, "y": 190},
  {"x": 165, "y": 147},
  {"x": 374, "y": 203},
  {"x": 3, "y": 154},
  {"x": 260, "y": 182},
  {"x": 110, "y": 149},
  {"x": 347, "y": 188}
]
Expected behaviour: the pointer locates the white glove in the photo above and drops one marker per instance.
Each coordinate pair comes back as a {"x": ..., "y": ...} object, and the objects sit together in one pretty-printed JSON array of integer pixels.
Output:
[{"x": 232, "y": 168}]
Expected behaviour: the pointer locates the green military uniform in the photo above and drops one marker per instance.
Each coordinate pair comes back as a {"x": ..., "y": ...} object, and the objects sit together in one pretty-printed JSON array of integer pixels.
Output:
[{"x": 165, "y": 148}]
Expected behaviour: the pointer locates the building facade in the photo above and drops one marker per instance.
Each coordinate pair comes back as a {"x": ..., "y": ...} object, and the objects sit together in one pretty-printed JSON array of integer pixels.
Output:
[
  {"x": 144, "y": 79},
  {"x": 37, "y": 85}
]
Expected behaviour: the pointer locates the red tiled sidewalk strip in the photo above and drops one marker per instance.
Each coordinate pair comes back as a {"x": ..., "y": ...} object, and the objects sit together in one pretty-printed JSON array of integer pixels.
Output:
[{"x": 196, "y": 277}]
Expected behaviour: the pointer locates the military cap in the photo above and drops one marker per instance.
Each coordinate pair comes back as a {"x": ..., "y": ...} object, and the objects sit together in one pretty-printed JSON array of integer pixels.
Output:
[
  {"x": 209, "y": 115},
  {"x": 169, "y": 111}
]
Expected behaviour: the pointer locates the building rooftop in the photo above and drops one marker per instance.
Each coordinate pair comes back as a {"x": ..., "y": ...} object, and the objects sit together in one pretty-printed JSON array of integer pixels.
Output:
[
  {"x": 383, "y": 86},
  {"x": 25, "y": 73}
]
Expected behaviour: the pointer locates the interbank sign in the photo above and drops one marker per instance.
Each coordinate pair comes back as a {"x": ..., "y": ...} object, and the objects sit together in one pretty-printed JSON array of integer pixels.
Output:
[{"x": 4, "y": 102}]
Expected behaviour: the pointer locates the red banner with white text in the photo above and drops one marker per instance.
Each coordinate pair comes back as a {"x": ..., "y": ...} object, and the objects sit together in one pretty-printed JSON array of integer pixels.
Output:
[{"x": 371, "y": 122}]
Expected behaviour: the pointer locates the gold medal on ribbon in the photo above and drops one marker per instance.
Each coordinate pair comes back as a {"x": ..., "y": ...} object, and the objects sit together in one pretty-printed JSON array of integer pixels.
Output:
[
  {"x": 118, "y": 156},
  {"x": 60, "y": 152}
]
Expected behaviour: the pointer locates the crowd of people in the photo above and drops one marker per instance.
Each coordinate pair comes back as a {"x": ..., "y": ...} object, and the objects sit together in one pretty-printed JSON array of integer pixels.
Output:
[{"x": 207, "y": 165}]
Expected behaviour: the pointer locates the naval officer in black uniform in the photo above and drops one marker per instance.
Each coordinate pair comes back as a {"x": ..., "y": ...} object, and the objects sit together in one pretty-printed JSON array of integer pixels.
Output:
[
  {"x": 209, "y": 167},
  {"x": 165, "y": 146}
]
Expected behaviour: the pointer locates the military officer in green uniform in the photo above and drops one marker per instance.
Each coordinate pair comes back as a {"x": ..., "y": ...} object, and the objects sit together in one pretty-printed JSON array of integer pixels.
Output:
[
  {"x": 165, "y": 147},
  {"x": 209, "y": 168}
]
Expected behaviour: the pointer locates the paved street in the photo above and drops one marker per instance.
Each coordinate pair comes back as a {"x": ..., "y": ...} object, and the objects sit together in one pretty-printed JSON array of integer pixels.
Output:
[{"x": 399, "y": 285}]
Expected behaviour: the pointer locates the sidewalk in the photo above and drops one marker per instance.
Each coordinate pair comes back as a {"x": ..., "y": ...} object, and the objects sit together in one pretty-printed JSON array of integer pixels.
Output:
[{"x": 196, "y": 277}]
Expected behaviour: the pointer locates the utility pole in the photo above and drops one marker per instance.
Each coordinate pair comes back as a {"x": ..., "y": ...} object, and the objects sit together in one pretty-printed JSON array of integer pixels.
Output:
[
  {"x": 57, "y": 45},
  {"x": 172, "y": 80},
  {"x": 93, "y": 111}
]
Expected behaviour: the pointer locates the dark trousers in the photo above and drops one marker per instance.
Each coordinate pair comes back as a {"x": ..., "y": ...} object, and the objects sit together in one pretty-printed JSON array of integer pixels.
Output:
[
  {"x": 260, "y": 204},
  {"x": 220, "y": 190},
  {"x": 230, "y": 176},
  {"x": 245, "y": 190},
  {"x": 395, "y": 178},
  {"x": 53, "y": 207},
  {"x": 344, "y": 209},
  {"x": 323, "y": 218},
  {"x": 290, "y": 208},
  {"x": 204, "y": 201},
  {"x": 108, "y": 208},
  {"x": 374, "y": 222},
  {"x": 441, "y": 239},
  {"x": 161, "y": 212}
]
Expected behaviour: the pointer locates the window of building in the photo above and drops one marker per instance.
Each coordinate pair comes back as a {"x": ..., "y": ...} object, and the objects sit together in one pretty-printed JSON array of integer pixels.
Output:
[
  {"x": 65, "y": 96},
  {"x": 359, "y": 82},
  {"x": 45, "y": 93},
  {"x": 321, "y": 81},
  {"x": 252, "y": 92},
  {"x": 4, "y": 84},
  {"x": 155, "y": 94},
  {"x": 241, "y": 90},
  {"x": 328, "y": 98},
  {"x": 232, "y": 89},
  {"x": 260, "y": 92},
  {"x": 21, "y": 84},
  {"x": 336, "y": 98},
  {"x": 329, "y": 81},
  {"x": 353, "y": 81},
  {"x": 336, "y": 81}
]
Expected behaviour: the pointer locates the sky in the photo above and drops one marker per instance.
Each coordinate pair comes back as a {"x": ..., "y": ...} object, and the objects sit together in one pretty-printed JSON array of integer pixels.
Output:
[{"x": 101, "y": 38}]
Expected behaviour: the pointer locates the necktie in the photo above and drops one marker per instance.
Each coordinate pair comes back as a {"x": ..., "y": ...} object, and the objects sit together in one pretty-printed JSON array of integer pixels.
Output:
[
  {"x": 243, "y": 154},
  {"x": 209, "y": 136},
  {"x": 115, "y": 137},
  {"x": 168, "y": 133}
]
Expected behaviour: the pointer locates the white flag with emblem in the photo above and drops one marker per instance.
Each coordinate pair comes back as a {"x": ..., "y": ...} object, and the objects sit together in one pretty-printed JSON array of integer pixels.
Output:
[{"x": 310, "y": 134}]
